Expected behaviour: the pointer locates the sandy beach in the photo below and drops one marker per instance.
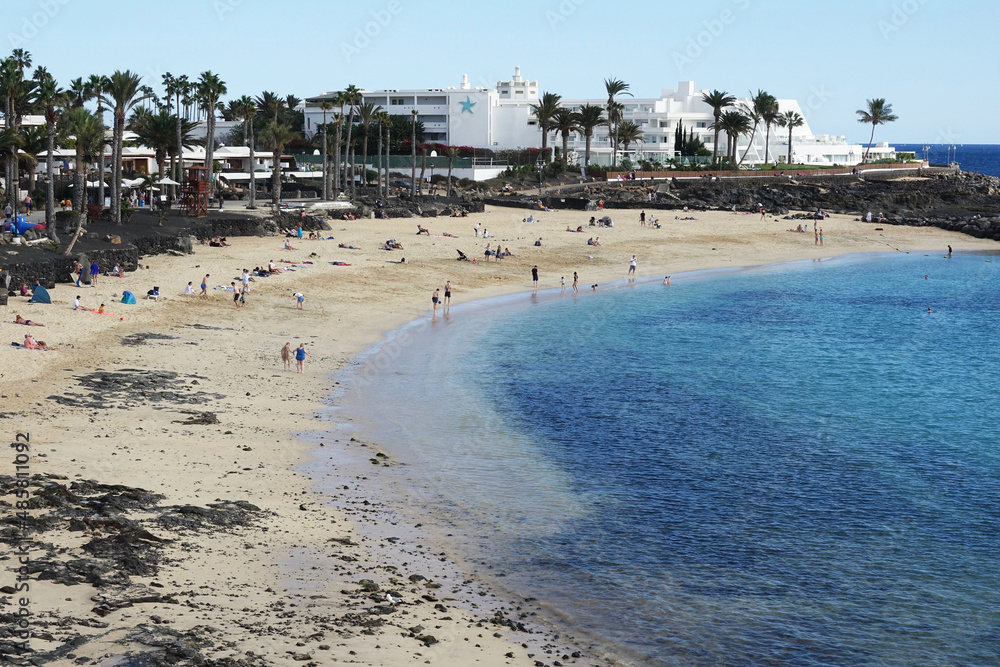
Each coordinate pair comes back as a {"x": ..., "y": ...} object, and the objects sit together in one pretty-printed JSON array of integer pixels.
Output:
[{"x": 186, "y": 397}]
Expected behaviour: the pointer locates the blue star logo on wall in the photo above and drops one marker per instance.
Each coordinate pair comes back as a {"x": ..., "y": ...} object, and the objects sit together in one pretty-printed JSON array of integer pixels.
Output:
[{"x": 467, "y": 104}]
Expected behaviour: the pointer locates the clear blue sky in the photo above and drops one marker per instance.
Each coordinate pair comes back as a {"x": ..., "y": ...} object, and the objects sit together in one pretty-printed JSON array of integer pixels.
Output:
[{"x": 934, "y": 61}]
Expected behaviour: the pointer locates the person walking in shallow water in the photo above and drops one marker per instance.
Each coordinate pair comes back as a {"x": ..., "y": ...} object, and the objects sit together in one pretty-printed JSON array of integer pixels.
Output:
[
  {"x": 576, "y": 282},
  {"x": 534, "y": 276},
  {"x": 435, "y": 300},
  {"x": 631, "y": 266}
]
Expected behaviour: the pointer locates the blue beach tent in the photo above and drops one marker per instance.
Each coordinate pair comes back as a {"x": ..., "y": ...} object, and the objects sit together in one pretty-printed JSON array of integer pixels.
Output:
[
  {"x": 40, "y": 295},
  {"x": 128, "y": 297}
]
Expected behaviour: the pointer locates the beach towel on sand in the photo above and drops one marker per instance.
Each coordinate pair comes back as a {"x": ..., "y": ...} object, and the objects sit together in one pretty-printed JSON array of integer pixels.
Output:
[{"x": 40, "y": 295}]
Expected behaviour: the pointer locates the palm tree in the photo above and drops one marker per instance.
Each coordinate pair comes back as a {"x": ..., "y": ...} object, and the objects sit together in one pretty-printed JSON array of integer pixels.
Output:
[
  {"x": 341, "y": 100},
  {"x": 879, "y": 112},
  {"x": 278, "y": 134},
  {"x": 565, "y": 123},
  {"x": 413, "y": 158},
  {"x": 246, "y": 110},
  {"x": 614, "y": 87},
  {"x": 210, "y": 89},
  {"x": 122, "y": 95},
  {"x": 769, "y": 115},
  {"x": 156, "y": 131},
  {"x": 94, "y": 86},
  {"x": 718, "y": 100},
  {"x": 545, "y": 112},
  {"x": 452, "y": 153},
  {"x": 33, "y": 144},
  {"x": 759, "y": 103},
  {"x": 17, "y": 93},
  {"x": 326, "y": 106},
  {"x": 791, "y": 120},
  {"x": 629, "y": 133},
  {"x": 84, "y": 128},
  {"x": 735, "y": 124},
  {"x": 352, "y": 94},
  {"x": 367, "y": 114},
  {"x": 589, "y": 118},
  {"x": 52, "y": 98}
]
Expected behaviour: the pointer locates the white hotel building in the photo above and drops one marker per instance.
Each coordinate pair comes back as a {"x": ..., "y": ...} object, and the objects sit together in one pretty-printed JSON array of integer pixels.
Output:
[{"x": 500, "y": 118}]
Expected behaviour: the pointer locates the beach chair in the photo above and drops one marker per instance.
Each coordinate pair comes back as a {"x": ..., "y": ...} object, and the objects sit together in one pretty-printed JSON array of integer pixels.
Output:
[
  {"x": 153, "y": 294},
  {"x": 461, "y": 256}
]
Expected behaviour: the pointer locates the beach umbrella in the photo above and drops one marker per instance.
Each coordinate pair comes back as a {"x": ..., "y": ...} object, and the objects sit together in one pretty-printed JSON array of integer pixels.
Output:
[{"x": 167, "y": 181}]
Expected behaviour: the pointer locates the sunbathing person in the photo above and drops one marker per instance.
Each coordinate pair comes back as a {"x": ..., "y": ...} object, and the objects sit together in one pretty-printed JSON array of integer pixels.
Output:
[
  {"x": 422, "y": 230},
  {"x": 32, "y": 344},
  {"x": 348, "y": 247},
  {"x": 20, "y": 320}
]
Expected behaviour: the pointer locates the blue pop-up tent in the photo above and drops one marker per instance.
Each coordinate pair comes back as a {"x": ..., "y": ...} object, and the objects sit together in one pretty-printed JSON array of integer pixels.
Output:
[
  {"x": 128, "y": 297},
  {"x": 40, "y": 295}
]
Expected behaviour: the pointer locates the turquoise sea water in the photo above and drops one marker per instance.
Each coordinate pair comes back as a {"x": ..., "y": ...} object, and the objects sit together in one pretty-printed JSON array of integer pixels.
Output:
[{"x": 789, "y": 465}]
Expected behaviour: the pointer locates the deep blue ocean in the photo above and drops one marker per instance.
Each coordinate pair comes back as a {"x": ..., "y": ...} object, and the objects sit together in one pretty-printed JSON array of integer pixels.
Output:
[
  {"x": 786, "y": 465},
  {"x": 983, "y": 158}
]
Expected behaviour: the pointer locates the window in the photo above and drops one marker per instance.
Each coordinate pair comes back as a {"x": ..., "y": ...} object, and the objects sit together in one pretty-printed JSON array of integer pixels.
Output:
[
  {"x": 397, "y": 101},
  {"x": 701, "y": 125}
]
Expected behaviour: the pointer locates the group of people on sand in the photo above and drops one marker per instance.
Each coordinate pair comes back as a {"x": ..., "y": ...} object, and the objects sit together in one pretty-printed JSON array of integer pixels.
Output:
[
  {"x": 299, "y": 353},
  {"x": 438, "y": 300}
]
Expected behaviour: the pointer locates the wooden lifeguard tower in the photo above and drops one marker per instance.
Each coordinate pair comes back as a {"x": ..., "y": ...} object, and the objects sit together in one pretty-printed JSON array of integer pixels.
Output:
[{"x": 195, "y": 190}]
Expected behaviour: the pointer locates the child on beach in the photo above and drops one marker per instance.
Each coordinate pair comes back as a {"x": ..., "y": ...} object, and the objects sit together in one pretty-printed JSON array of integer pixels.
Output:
[{"x": 299, "y": 300}]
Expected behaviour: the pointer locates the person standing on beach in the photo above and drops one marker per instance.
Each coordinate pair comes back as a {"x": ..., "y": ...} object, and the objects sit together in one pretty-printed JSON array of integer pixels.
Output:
[
  {"x": 763, "y": 212},
  {"x": 949, "y": 251},
  {"x": 435, "y": 298},
  {"x": 236, "y": 294},
  {"x": 631, "y": 266},
  {"x": 447, "y": 293},
  {"x": 300, "y": 356},
  {"x": 816, "y": 234},
  {"x": 642, "y": 219},
  {"x": 476, "y": 230},
  {"x": 94, "y": 270},
  {"x": 286, "y": 356},
  {"x": 245, "y": 279},
  {"x": 78, "y": 270},
  {"x": 299, "y": 300},
  {"x": 204, "y": 286},
  {"x": 821, "y": 236},
  {"x": 576, "y": 281},
  {"x": 534, "y": 276}
]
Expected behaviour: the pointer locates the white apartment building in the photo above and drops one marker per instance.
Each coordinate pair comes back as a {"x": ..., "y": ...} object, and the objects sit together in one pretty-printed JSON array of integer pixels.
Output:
[{"x": 500, "y": 118}]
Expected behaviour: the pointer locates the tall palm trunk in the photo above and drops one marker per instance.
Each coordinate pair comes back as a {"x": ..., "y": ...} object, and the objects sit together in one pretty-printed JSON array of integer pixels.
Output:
[
  {"x": 767, "y": 143},
  {"x": 789, "y": 159},
  {"x": 100, "y": 156},
  {"x": 350, "y": 170},
  {"x": 116, "y": 175},
  {"x": 715, "y": 143},
  {"x": 378, "y": 166},
  {"x": 179, "y": 162},
  {"x": 50, "y": 189},
  {"x": 388, "y": 150},
  {"x": 326, "y": 179},
  {"x": 276, "y": 178},
  {"x": 80, "y": 183},
  {"x": 586, "y": 150},
  {"x": 336, "y": 158},
  {"x": 364, "y": 161},
  {"x": 413, "y": 160}
]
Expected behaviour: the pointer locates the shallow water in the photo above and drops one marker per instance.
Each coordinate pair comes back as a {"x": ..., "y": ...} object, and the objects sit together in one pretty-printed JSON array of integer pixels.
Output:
[{"x": 794, "y": 464}]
